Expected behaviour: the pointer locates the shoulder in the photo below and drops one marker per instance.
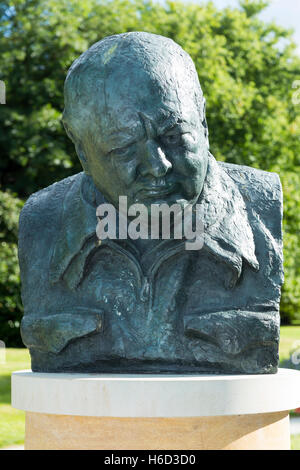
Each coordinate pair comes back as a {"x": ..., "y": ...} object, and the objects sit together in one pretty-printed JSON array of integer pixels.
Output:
[
  {"x": 263, "y": 184},
  {"x": 244, "y": 175},
  {"x": 51, "y": 195},
  {"x": 44, "y": 205},
  {"x": 262, "y": 193},
  {"x": 41, "y": 216}
]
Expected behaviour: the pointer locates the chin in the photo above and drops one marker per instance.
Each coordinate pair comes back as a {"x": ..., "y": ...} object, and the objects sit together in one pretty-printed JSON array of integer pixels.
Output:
[{"x": 158, "y": 200}]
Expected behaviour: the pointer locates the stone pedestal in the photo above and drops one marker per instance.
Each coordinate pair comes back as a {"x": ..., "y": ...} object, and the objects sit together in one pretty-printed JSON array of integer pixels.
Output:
[{"x": 181, "y": 412}]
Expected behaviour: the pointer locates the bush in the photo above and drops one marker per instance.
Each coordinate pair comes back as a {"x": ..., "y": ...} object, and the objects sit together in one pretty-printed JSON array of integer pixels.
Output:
[{"x": 10, "y": 300}]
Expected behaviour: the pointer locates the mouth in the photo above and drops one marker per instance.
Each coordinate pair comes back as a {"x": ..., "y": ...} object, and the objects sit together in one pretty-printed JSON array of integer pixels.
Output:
[{"x": 156, "y": 190}]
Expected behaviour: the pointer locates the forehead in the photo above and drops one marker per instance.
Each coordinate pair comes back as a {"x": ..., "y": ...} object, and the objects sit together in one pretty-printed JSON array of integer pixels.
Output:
[{"x": 165, "y": 100}]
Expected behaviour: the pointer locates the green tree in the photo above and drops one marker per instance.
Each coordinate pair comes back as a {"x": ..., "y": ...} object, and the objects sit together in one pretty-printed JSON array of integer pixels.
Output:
[
  {"x": 246, "y": 68},
  {"x": 253, "y": 7},
  {"x": 10, "y": 299}
]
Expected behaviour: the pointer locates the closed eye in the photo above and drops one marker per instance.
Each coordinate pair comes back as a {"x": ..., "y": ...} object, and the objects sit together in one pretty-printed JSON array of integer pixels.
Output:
[
  {"x": 171, "y": 139},
  {"x": 120, "y": 152}
]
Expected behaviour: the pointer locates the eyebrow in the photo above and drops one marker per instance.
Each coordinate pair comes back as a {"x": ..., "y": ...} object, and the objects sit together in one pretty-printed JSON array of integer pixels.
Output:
[
  {"x": 130, "y": 138},
  {"x": 170, "y": 123},
  {"x": 121, "y": 138},
  {"x": 118, "y": 133}
]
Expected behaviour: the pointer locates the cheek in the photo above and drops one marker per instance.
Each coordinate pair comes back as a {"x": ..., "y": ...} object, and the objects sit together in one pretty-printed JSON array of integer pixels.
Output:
[
  {"x": 191, "y": 169},
  {"x": 126, "y": 171},
  {"x": 190, "y": 163},
  {"x": 191, "y": 158}
]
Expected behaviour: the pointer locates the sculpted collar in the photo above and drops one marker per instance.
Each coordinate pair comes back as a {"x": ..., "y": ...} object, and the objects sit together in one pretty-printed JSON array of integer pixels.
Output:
[{"x": 227, "y": 232}]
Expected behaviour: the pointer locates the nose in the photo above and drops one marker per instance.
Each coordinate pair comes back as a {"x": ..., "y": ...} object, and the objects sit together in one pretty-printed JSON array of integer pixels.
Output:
[{"x": 155, "y": 162}]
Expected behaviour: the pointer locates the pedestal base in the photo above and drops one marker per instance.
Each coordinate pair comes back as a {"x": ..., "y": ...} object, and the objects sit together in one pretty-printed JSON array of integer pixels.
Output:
[
  {"x": 268, "y": 431},
  {"x": 150, "y": 412}
]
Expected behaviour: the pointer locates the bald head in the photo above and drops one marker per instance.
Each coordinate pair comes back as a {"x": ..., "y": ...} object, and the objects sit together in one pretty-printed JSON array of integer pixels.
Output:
[{"x": 118, "y": 73}]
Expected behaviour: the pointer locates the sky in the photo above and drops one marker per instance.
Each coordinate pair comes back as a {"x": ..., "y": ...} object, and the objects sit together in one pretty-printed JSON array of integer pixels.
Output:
[{"x": 285, "y": 12}]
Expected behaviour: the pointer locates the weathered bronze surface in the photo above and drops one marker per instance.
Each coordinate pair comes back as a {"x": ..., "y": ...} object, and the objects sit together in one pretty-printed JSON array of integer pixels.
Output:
[{"x": 136, "y": 114}]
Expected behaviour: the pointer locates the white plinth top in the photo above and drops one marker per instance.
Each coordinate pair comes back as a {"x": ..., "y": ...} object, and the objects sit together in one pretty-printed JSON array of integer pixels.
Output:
[{"x": 153, "y": 396}]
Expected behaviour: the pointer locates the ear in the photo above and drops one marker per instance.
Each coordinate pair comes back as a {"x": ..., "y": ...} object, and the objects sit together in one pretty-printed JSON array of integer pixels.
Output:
[
  {"x": 78, "y": 148},
  {"x": 82, "y": 157},
  {"x": 204, "y": 121}
]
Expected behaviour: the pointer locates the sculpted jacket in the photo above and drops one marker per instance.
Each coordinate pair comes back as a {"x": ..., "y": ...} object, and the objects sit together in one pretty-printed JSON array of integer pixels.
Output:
[{"x": 109, "y": 307}]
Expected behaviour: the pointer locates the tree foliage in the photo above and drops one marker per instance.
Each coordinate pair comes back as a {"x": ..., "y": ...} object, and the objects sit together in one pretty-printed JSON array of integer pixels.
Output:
[
  {"x": 10, "y": 299},
  {"x": 246, "y": 68}
]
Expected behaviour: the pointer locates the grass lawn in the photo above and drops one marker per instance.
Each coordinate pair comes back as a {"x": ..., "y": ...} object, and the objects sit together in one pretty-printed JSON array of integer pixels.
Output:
[
  {"x": 12, "y": 424},
  {"x": 296, "y": 442}
]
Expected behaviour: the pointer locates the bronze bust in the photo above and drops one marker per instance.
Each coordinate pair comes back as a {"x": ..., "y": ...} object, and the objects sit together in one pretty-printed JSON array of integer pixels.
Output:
[{"x": 135, "y": 112}]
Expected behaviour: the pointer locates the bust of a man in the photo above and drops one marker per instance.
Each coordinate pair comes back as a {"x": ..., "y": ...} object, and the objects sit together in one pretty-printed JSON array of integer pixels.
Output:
[{"x": 135, "y": 112}]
